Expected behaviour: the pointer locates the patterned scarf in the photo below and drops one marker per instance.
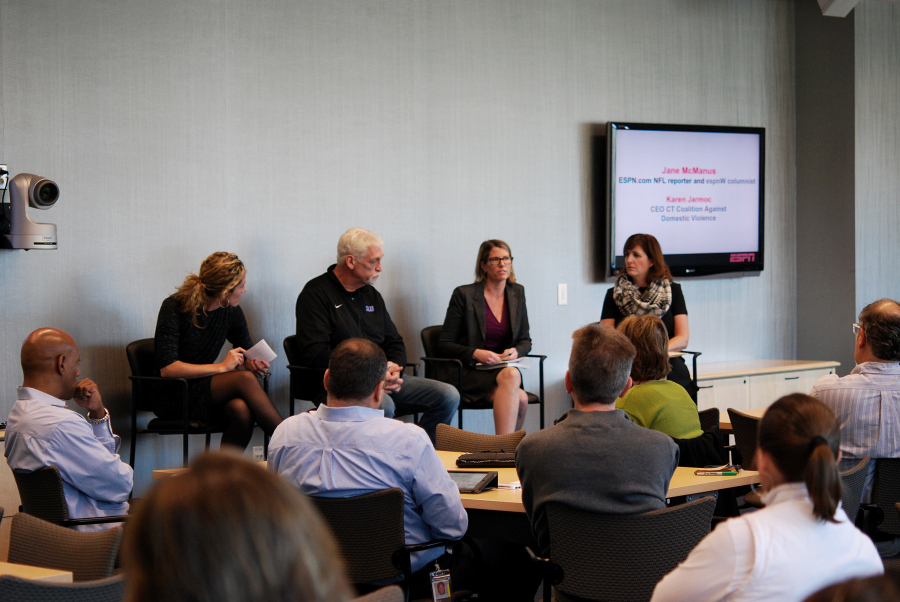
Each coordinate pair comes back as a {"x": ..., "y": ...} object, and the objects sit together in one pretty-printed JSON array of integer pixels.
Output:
[{"x": 656, "y": 299}]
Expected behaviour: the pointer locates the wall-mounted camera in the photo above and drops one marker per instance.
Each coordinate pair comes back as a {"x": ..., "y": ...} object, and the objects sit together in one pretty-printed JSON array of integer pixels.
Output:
[{"x": 28, "y": 189}]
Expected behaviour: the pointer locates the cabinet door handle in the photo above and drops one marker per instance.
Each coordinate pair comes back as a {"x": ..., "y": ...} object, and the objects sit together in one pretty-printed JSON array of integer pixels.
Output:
[
  {"x": 706, "y": 387},
  {"x": 791, "y": 378}
]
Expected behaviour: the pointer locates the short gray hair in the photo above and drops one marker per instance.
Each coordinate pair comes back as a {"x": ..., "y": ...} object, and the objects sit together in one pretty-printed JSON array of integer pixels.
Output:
[
  {"x": 600, "y": 363},
  {"x": 356, "y": 242}
]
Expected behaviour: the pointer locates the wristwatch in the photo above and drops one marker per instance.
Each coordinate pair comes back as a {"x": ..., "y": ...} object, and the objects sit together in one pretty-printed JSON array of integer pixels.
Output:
[{"x": 98, "y": 420}]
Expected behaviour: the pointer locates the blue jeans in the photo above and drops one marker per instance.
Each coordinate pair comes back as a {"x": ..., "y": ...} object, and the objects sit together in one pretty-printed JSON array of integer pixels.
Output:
[{"x": 436, "y": 401}]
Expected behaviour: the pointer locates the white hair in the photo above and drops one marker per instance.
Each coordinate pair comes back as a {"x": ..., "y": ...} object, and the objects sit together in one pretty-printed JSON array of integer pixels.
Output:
[{"x": 356, "y": 242}]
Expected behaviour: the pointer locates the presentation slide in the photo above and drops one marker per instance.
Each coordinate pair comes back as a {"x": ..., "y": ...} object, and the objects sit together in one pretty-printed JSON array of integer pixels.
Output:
[{"x": 696, "y": 192}]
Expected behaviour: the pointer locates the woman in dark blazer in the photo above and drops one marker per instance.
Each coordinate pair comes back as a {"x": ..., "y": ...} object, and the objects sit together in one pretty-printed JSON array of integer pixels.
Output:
[{"x": 487, "y": 323}]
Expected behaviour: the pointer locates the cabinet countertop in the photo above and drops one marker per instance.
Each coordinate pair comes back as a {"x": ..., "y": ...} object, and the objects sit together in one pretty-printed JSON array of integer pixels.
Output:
[{"x": 758, "y": 367}]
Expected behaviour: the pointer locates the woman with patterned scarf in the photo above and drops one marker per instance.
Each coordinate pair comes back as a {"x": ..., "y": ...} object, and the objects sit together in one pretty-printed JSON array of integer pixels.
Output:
[{"x": 645, "y": 286}]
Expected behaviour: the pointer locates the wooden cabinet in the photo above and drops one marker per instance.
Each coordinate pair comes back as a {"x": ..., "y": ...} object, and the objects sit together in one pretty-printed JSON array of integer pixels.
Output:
[{"x": 755, "y": 384}]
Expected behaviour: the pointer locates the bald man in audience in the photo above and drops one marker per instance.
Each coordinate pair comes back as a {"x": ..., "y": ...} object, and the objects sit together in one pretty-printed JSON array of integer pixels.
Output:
[
  {"x": 42, "y": 431},
  {"x": 867, "y": 401}
]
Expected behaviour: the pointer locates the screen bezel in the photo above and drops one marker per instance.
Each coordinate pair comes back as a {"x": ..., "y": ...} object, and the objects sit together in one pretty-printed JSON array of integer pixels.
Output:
[{"x": 684, "y": 265}]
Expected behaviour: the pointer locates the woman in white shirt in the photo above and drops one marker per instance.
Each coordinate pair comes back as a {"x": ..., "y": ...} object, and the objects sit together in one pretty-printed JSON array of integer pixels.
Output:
[{"x": 802, "y": 540}]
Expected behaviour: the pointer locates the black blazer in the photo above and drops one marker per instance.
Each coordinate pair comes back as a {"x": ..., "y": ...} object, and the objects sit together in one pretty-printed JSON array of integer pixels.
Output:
[{"x": 464, "y": 326}]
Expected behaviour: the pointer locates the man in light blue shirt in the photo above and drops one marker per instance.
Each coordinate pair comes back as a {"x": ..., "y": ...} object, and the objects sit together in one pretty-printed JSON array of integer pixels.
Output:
[
  {"x": 348, "y": 448},
  {"x": 42, "y": 431}
]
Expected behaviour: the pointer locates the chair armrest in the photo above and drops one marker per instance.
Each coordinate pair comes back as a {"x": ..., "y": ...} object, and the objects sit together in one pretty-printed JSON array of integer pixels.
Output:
[
  {"x": 446, "y": 360},
  {"x": 166, "y": 379},
  {"x": 400, "y": 557},
  {"x": 96, "y": 520},
  {"x": 414, "y": 366},
  {"x": 553, "y": 573}
]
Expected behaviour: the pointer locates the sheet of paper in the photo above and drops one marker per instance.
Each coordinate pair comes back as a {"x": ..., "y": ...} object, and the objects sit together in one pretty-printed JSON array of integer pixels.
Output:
[
  {"x": 261, "y": 351},
  {"x": 512, "y": 485},
  {"x": 519, "y": 363}
]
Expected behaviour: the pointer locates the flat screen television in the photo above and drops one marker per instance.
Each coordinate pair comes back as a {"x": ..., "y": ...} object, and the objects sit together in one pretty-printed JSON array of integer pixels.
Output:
[{"x": 698, "y": 189}]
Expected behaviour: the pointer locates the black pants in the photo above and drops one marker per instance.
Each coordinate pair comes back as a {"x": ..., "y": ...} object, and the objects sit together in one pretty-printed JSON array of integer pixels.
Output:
[{"x": 680, "y": 375}]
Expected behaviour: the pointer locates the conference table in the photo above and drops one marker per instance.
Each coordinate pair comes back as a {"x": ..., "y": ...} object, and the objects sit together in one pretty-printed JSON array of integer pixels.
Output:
[
  {"x": 499, "y": 514},
  {"x": 35, "y": 573}
]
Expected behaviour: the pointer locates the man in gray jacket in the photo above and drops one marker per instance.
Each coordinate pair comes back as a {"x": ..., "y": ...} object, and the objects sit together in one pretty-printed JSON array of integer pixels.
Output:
[{"x": 595, "y": 458}]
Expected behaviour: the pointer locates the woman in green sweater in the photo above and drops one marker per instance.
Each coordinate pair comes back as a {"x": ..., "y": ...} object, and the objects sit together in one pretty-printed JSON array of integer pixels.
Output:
[{"x": 653, "y": 401}]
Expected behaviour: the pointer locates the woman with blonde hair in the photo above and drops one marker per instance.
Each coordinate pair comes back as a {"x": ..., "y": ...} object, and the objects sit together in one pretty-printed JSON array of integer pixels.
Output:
[
  {"x": 191, "y": 328},
  {"x": 227, "y": 530},
  {"x": 802, "y": 540},
  {"x": 487, "y": 323}
]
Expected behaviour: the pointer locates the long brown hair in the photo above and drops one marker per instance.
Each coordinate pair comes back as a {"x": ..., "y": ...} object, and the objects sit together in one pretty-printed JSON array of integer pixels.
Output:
[
  {"x": 650, "y": 338},
  {"x": 802, "y": 436},
  {"x": 220, "y": 274},
  {"x": 228, "y": 530},
  {"x": 484, "y": 250},
  {"x": 651, "y": 248}
]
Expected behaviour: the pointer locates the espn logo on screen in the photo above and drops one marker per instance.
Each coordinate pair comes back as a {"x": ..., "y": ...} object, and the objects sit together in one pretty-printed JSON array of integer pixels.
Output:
[{"x": 742, "y": 257}]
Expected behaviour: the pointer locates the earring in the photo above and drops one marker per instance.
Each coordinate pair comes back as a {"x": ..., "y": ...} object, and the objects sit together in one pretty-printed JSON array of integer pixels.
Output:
[{"x": 223, "y": 303}]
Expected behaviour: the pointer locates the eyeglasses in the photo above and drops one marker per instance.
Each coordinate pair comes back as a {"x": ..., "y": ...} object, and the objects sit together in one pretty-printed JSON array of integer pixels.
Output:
[
  {"x": 856, "y": 328},
  {"x": 498, "y": 260}
]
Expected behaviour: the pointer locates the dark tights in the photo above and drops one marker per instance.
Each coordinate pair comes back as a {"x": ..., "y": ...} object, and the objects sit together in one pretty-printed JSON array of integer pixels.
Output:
[{"x": 244, "y": 404}]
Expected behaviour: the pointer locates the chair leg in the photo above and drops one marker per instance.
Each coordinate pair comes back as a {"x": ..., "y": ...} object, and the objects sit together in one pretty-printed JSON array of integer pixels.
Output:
[
  {"x": 184, "y": 461},
  {"x": 460, "y": 416},
  {"x": 208, "y": 440}
]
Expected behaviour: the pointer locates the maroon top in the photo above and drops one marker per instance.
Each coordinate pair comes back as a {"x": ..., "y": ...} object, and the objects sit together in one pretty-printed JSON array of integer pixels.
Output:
[{"x": 497, "y": 335}]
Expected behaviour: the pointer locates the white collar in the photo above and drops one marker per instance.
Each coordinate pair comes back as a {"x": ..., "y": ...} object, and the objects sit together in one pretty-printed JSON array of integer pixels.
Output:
[
  {"x": 786, "y": 492},
  {"x": 37, "y": 395}
]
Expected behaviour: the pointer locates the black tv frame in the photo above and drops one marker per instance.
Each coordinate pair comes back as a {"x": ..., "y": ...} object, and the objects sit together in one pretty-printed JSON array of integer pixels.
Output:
[{"x": 685, "y": 265}]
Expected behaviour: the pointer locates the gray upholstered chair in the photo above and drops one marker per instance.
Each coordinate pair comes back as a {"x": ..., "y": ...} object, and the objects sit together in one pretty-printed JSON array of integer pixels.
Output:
[
  {"x": 391, "y": 593},
  {"x": 620, "y": 556},
  {"x": 89, "y": 556},
  {"x": 450, "y": 438}
]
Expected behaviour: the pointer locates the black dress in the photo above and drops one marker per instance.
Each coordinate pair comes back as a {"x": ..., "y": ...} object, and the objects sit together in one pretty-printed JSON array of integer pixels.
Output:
[
  {"x": 679, "y": 373},
  {"x": 177, "y": 339}
]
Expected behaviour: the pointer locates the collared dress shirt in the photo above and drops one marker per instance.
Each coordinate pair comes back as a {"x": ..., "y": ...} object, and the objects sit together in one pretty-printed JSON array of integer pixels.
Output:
[
  {"x": 779, "y": 553},
  {"x": 867, "y": 405},
  {"x": 41, "y": 432},
  {"x": 349, "y": 451}
]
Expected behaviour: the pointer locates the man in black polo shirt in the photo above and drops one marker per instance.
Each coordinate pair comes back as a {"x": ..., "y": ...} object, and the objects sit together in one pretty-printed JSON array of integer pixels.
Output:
[{"x": 342, "y": 304}]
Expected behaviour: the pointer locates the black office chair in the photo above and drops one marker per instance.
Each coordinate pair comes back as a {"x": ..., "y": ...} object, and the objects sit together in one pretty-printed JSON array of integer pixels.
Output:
[
  {"x": 450, "y": 371},
  {"x": 147, "y": 385},
  {"x": 745, "y": 428},
  {"x": 619, "y": 556},
  {"x": 306, "y": 383},
  {"x": 886, "y": 493},
  {"x": 709, "y": 419},
  {"x": 695, "y": 387},
  {"x": 43, "y": 497},
  {"x": 370, "y": 534}
]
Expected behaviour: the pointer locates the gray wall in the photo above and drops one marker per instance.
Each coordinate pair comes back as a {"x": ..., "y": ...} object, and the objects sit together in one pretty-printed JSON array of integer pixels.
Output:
[
  {"x": 175, "y": 129},
  {"x": 877, "y": 26},
  {"x": 825, "y": 184}
]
